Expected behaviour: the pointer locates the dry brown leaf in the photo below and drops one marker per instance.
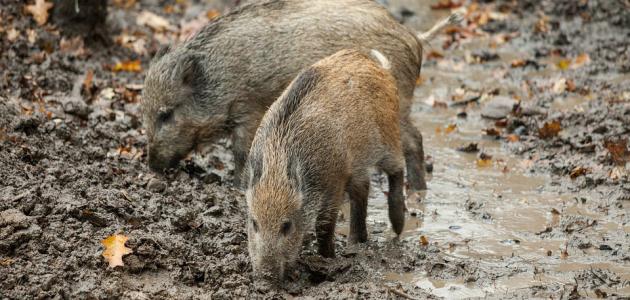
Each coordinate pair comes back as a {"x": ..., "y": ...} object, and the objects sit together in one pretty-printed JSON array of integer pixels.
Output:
[
  {"x": 618, "y": 172},
  {"x": 618, "y": 150},
  {"x": 549, "y": 130},
  {"x": 446, "y": 4},
  {"x": 126, "y": 4},
  {"x": 213, "y": 14},
  {"x": 434, "y": 55},
  {"x": 491, "y": 132},
  {"x": 39, "y": 10},
  {"x": 541, "y": 25},
  {"x": 512, "y": 138},
  {"x": 115, "y": 249},
  {"x": 424, "y": 241},
  {"x": 12, "y": 34},
  {"x": 578, "y": 171},
  {"x": 74, "y": 46},
  {"x": 128, "y": 66},
  {"x": 570, "y": 85},
  {"x": 155, "y": 22},
  {"x": 518, "y": 63},
  {"x": 581, "y": 60}
]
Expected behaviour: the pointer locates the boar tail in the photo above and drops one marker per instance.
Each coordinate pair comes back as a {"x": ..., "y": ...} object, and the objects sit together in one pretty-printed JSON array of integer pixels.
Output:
[
  {"x": 454, "y": 19},
  {"x": 378, "y": 56}
]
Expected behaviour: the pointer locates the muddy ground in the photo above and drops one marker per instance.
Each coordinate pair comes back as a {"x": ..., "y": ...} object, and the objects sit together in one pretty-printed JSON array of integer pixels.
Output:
[{"x": 546, "y": 216}]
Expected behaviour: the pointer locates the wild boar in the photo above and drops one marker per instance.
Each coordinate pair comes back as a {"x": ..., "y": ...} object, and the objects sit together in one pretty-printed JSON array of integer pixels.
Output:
[{"x": 335, "y": 122}]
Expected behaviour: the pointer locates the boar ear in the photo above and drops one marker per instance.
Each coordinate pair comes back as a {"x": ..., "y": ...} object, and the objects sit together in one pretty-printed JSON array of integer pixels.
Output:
[{"x": 191, "y": 69}]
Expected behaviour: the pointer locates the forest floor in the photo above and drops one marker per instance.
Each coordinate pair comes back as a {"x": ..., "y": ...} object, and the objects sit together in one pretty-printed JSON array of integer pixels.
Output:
[{"x": 525, "y": 111}]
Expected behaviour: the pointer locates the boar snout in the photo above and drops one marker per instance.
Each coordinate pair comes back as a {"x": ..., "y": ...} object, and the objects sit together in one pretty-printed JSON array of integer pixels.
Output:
[
  {"x": 270, "y": 268},
  {"x": 160, "y": 160}
]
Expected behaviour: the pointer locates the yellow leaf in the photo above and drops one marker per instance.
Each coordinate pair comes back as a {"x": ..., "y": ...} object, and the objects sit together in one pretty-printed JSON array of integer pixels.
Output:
[
  {"x": 450, "y": 128},
  {"x": 563, "y": 64},
  {"x": 39, "y": 10},
  {"x": 115, "y": 249},
  {"x": 484, "y": 163},
  {"x": 128, "y": 66}
]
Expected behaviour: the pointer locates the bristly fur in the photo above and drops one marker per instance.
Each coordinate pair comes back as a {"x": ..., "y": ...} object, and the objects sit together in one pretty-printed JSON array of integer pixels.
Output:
[
  {"x": 336, "y": 120},
  {"x": 248, "y": 58}
]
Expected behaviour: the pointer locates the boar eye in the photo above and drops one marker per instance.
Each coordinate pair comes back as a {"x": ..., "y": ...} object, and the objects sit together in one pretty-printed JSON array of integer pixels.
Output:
[
  {"x": 165, "y": 116},
  {"x": 255, "y": 225},
  {"x": 285, "y": 228}
]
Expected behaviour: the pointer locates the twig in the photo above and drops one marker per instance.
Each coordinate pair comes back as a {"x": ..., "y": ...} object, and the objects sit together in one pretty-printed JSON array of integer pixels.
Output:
[{"x": 400, "y": 293}]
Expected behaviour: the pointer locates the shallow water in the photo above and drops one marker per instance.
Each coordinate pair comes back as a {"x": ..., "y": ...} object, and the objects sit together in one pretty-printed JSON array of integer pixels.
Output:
[{"x": 510, "y": 203}]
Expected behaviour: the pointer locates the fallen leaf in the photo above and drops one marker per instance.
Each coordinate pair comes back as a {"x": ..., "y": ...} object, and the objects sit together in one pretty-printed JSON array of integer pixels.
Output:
[
  {"x": 541, "y": 25},
  {"x": 434, "y": 55},
  {"x": 549, "y": 130},
  {"x": 73, "y": 46},
  {"x": 128, "y": 66},
  {"x": 518, "y": 63},
  {"x": 570, "y": 86},
  {"x": 31, "y": 36},
  {"x": 484, "y": 160},
  {"x": 501, "y": 123},
  {"x": 213, "y": 14},
  {"x": 5, "y": 262},
  {"x": 39, "y": 11},
  {"x": 618, "y": 172},
  {"x": 446, "y": 4},
  {"x": 563, "y": 64},
  {"x": 578, "y": 171},
  {"x": 115, "y": 249},
  {"x": 12, "y": 34},
  {"x": 126, "y": 4},
  {"x": 618, "y": 150},
  {"x": 154, "y": 21},
  {"x": 512, "y": 138},
  {"x": 424, "y": 241},
  {"x": 560, "y": 86},
  {"x": 450, "y": 128},
  {"x": 470, "y": 148},
  {"x": 581, "y": 60},
  {"x": 491, "y": 132}
]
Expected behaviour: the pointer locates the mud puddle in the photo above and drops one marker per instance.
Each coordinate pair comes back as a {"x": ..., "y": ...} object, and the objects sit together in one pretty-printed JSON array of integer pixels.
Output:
[{"x": 491, "y": 210}]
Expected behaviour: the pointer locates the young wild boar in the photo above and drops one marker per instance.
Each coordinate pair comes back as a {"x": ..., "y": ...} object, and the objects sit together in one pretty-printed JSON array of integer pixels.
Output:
[
  {"x": 338, "y": 119},
  {"x": 221, "y": 81}
]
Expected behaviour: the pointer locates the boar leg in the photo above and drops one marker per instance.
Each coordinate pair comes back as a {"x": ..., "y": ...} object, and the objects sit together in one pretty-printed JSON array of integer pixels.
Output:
[
  {"x": 396, "y": 201},
  {"x": 358, "y": 191},
  {"x": 392, "y": 165},
  {"x": 414, "y": 155},
  {"x": 325, "y": 229}
]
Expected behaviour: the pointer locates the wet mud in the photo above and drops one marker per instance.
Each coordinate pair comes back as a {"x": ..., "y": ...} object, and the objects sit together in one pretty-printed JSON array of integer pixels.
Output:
[{"x": 526, "y": 198}]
